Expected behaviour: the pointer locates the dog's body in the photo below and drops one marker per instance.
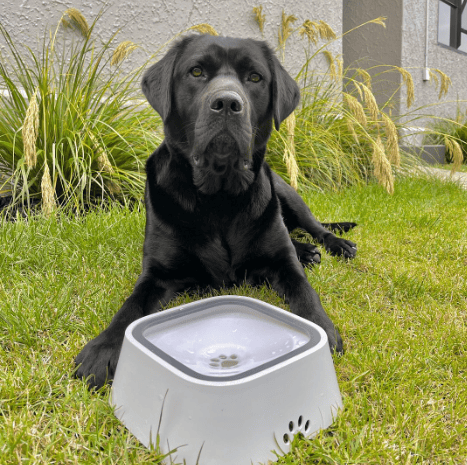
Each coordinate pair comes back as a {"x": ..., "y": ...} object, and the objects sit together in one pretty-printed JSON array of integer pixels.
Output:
[{"x": 216, "y": 215}]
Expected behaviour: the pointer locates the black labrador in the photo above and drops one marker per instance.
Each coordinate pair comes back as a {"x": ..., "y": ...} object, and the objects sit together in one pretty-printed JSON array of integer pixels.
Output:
[{"x": 216, "y": 215}]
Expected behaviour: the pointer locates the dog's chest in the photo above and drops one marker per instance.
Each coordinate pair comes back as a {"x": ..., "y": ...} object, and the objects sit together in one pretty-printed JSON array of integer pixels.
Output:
[{"x": 221, "y": 256}]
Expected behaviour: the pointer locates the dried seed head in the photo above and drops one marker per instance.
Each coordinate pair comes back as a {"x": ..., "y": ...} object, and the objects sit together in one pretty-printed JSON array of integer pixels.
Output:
[
  {"x": 314, "y": 30},
  {"x": 370, "y": 102},
  {"x": 359, "y": 90},
  {"x": 379, "y": 21},
  {"x": 445, "y": 82},
  {"x": 356, "y": 108},
  {"x": 382, "y": 166},
  {"x": 366, "y": 76},
  {"x": 310, "y": 29},
  {"x": 29, "y": 131},
  {"x": 204, "y": 28},
  {"x": 103, "y": 163},
  {"x": 408, "y": 81},
  {"x": 122, "y": 51},
  {"x": 351, "y": 129},
  {"x": 332, "y": 64},
  {"x": 340, "y": 68},
  {"x": 454, "y": 149},
  {"x": 48, "y": 198},
  {"x": 77, "y": 20},
  {"x": 289, "y": 152},
  {"x": 434, "y": 76},
  {"x": 392, "y": 143},
  {"x": 285, "y": 30},
  {"x": 259, "y": 17},
  {"x": 325, "y": 31}
]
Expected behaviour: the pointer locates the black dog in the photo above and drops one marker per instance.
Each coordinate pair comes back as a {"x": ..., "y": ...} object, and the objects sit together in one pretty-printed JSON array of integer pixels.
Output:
[{"x": 216, "y": 215}]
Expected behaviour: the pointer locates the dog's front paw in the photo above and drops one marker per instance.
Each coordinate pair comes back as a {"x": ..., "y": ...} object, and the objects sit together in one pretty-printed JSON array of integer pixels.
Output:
[
  {"x": 341, "y": 247},
  {"x": 335, "y": 340},
  {"x": 307, "y": 254},
  {"x": 97, "y": 362}
]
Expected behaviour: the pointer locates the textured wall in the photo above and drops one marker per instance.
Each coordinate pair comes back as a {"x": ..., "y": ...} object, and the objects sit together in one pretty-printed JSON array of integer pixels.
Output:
[
  {"x": 402, "y": 43},
  {"x": 453, "y": 63},
  {"x": 372, "y": 45},
  {"x": 151, "y": 23}
]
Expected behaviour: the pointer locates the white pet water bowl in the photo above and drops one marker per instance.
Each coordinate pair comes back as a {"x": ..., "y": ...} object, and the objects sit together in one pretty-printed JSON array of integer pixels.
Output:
[{"x": 225, "y": 381}]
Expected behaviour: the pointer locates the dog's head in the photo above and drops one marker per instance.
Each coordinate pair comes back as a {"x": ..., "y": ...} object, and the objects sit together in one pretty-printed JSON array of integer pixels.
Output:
[{"x": 217, "y": 97}]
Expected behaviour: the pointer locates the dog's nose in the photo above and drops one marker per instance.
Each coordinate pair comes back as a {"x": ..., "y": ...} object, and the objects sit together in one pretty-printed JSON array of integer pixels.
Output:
[{"x": 227, "y": 102}]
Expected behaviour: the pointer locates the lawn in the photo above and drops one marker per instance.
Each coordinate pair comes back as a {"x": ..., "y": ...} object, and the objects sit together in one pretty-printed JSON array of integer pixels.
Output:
[
  {"x": 448, "y": 166},
  {"x": 401, "y": 307}
]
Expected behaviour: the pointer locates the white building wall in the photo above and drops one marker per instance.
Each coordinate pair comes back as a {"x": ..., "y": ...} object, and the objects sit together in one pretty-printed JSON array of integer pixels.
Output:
[{"x": 152, "y": 23}]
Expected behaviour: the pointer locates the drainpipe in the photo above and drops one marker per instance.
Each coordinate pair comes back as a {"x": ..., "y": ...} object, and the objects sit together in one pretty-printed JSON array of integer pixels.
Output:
[{"x": 426, "y": 71}]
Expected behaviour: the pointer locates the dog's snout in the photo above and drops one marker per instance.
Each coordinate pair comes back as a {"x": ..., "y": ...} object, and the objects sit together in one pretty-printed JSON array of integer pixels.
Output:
[{"x": 227, "y": 102}]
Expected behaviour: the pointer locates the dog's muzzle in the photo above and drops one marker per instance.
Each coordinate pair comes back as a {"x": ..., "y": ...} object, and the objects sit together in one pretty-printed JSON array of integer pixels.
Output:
[
  {"x": 222, "y": 151},
  {"x": 223, "y": 133}
]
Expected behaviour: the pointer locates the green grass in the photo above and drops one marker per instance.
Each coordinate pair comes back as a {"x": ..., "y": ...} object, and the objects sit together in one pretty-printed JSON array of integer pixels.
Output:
[
  {"x": 401, "y": 307},
  {"x": 448, "y": 166}
]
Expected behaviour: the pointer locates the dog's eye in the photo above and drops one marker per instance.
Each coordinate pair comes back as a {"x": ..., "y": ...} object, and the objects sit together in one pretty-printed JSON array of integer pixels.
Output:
[
  {"x": 196, "y": 72},
  {"x": 255, "y": 77}
]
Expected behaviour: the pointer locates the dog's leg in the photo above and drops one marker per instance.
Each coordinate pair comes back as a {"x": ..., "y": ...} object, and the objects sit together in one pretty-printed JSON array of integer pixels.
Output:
[
  {"x": 290, "y": 282},
  {"x": 307, "y": 254},
  {"x": 98, "y": 359},
  {"x": 297, "y": 215}
]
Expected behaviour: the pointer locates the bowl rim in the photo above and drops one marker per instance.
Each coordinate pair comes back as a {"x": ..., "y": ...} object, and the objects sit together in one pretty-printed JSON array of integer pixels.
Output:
[{"x": 316, "y": 336}]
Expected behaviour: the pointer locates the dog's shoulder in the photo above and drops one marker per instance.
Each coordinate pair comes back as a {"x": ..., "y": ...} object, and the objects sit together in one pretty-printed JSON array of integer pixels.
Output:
[{"x": 169, "y": 184}]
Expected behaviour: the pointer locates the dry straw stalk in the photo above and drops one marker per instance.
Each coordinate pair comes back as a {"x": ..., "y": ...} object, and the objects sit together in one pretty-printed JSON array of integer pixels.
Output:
[
  {"x": 355, "y": 108},
  {"x": 103, "y": 164},
  {"x": 30, "y": 131},
  {"x": 75, "y": 19},
  {"x": 445, "y": 81},
  {"x": 314, "y": 30},
  {"x": 259, "y": 18},
  {"x": 408, "y": 81},
  {"x": 333, "y": 72},
  {"x": 123, "y": 49},
  {"x": 370, "y": 102},
  {"x": 392, "y": 140},
  {"x": 285, "y": 31},
  {"x": 453, "y": 147},
  {"x": 48, "y": 198},
  {"x": 382, "y": 166},
  {"x": 204, "y": 28}
]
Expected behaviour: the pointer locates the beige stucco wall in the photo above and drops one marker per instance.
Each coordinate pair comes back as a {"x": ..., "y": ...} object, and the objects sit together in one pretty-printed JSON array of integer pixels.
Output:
[
  {"x": 151, "y": 23},
  {"x": 372, "y": 45},
  {"x": 451, "y": 62},
  {"x": 402, "y": 43}
]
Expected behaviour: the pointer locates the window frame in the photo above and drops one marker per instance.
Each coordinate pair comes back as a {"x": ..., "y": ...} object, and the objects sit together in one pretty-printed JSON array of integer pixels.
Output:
[{"x": 456, "y": 29}]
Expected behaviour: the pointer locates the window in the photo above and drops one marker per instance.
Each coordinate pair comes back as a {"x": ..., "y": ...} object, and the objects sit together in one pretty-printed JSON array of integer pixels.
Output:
[{"x": 452, "y": 24}]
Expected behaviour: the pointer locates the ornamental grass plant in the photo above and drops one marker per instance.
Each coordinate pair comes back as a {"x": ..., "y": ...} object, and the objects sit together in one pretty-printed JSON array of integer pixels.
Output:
[
  {"x": 339, "y": 136},
  {"x": 72, "y": 130},
  {"x": 456, "y": 129}
]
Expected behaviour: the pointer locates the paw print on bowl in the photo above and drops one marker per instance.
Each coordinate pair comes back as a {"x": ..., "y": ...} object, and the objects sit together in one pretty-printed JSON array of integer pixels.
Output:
[
  {"x": 224, "y": 361},
  {"x": 300, "y": 427}
]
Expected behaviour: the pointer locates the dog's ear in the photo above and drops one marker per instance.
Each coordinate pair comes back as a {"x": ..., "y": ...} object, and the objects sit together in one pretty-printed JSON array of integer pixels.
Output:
[
  {"x": 285, "y": 92},
  {"x": 157, "y": 81}
]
